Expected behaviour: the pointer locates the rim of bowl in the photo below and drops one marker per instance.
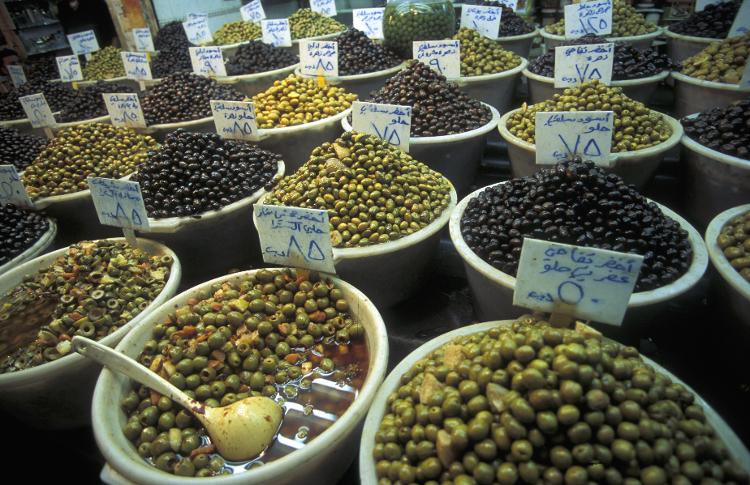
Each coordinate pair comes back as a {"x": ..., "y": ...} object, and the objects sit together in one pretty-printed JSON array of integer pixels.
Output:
[
  {"x": 91, "y": 82},
  {"x": 720, "y": 262},
  {"x": 264, "y": 133},
  {"x": 356, "y": 412},
  {"x": 698, "y": 263},
  {"x": 44, "y": 202},
  {"x": 678, "y": 76},
  {"x": 177, "y": 125},
  {"x": 690, "y": 38},
  {"x": 236, "y": 44},
  {"x": 257, "y": 75},
  {"x": 20, "y": 121},
  {"x": 511, "y": 38},
  {"x": 320, "y": 37},
  {"x": 627, "y": 38},
  {"x": 36, "y": 249},
  {"x": 170, "y": 286},
  {"x": 619, "y": 83},
  {"x": 90, "y": 121},
  {"x": 356, "y": 77},
  {"x": 695, "y": 146},
  {"x": 464, "y": 80}
]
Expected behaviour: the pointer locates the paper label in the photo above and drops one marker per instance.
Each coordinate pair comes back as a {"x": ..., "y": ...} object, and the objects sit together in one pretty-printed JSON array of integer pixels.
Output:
[
  {"x": 69, "y": 68},
  {"x": 745, "y": 81},
  {"x": 485, "y": 20},
  {"x": 143, "y": 40},
  {"x": 235, "y": 119},
  {"x": 136, "y": 65},
  {"x": 292, "y": 236},
  {"x": 12, "y": 190},
  {"x": 369, "y": 21},
  {"x": 561, "y": 134},
  {"x": 37, "y": 110},
  {"x": 324, "y": 7},
  {"x": 124, "y": 109},
  {"x": 702, "y": 4},
  {"x": 196, "y": 29},
  {"x": 583, "y": 18},
  {"x": 83, "y": 42},
  {"x": 443, "y": 56},
  {"x": 119, "y": 203},
  {"x": 253, "y": 12},
  {"x": 17, "y": 76},
  {"x": 577, "y": 64},
  {"x": 276, "y": 32},
  {"x": 319, "y": 57},
  {"x": 741, "y": 24},
  {"x": 588, "y": 283},
  {"x": 390, "y": 122},
  {"x": 207, "y": 61}
]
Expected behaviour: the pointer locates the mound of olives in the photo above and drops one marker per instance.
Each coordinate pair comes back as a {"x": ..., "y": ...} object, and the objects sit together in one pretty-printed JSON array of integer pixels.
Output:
[
  {"x": 482, "y": 55},
  {"x": 405, "y": 21},
  {"x": 256, "y": 56},
  {"x": 87, "y": 102},
  {"x": 56, "y": 95},
  {"x": 724, "y": 129},
  {"x": 511, "y": 24},
  {"x": 19, "y": 230},
  {"x": 359, "y": 55},
  {"x": 171, "y": 62},
  {"x": 104, "y": 64},
  {"x": 722, "y": 62},
  {"x": 734, "y": 241},
  {"x": 171, "y": 37},
  {"x": 19, "y": 149},
  {"x": 714, "y": 21},
  {"x": 235, "y": 32},
  {"x": 626, "y": 22},
  {"x": 305, "y": 23}
]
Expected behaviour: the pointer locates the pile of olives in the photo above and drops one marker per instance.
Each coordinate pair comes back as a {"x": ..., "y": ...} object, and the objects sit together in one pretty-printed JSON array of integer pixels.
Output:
[
  {"x": 626, "y": 22},
  {"x": 19, "y": 230},
  {"x": 91, "y": 290},
  {"x": 171, "y": 37},
  {"x": 405, "y": 21},
  {"x": 482, "y": 55},
  {"x": 359, "y": 55},
  {"x": 723, "y": 129},
  {"x": 511, "y": 24},
  {"x": 575, "y": 203},
  {"x": 171, "y": 62},
  {"x": 296, "y": 100},
  {"x": 41, "y": 68},
  {"x": 83, "y": 151},
  {"x": 373, "y": 191},
  {"x": 87, "y": 102},
  {"x": 734, "y": 241},
  {"x": 19, "y": 149},
  {"x": 104, "y": 64},
  {"x": 714, "y": 21},
  {"x": 56, "y": 95},
  {"x": 722, "y": 62},
  {"x": 636, "y": 126},
  {"x": 255, "y": 57},
  {"x": 305, "y": 23},
  {"x": 268, "y": 334},
  {"x": 192, "y": 173},
  {"x": 530, "y": 403},
  {"x": 235, "y": 32}
]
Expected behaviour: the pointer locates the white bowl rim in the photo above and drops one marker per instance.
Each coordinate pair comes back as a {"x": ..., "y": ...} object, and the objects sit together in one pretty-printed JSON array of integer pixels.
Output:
[
  {"x": 44, "y": 202},
  {"x": 264, "y": 133},
  {"x": 678, "y": 76},
  {"x": 22, "y": 377},
  {"x": 690, "y": 38},
  {"x": 35, "y": 249},
  {"x": 695, "y": 146},
  {"x": 464, "y": 80},
  {"x": 627, "y": 38},
  {"x": 90, "y": 121},
  {"x": 619, "y": 83},
  {"x": 694, "y": 273},
  {"x": 91, "y": 82},
  {"x": 511, "y": 38},
  {"x": 321, "y": 37},
  {"x": 177, "y": 125},
  {"x": 356, "y": 411},
  {"x": 257, "y": 75},
  {"x": 356, "y": 77},
  {"x": 720, "y": 262},
  {"x": 236, "y": 44}
]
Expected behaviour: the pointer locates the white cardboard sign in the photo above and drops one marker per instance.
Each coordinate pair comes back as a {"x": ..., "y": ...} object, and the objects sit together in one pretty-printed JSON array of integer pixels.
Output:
[
  {"x": 12, "y": 190},
  {"x": 69, "y": 68},
  {"x": 235, "y": 119},
  {"x": 136, "y": 65},
  {"x": 443, "y": 56},
  {"x": 124, "y": 109},
  {"x": 37, "y": 110},
  {"x": 83, "y": 42},
  {"x": 119, "y": 203},
  {"x": 276, "y": 32},
  {"x": 576, "y": 64},
  {"x": 588, "y": 283},
  {"x": 143, "y": 40},
  {"x": 483, "y": 19},
  {"x": 253, "y": 12},
  {"x": 369, "y": 21},
  {"x": 561, "y": 134},
  {"x": 17, "y": 76},
  {"x": 207, "y": 61},
  {"x": 292, "y": 236},
  {"x": 324, "y": 7},
  {"x": 594, "y": 17},
  {"x": 319, "y": 57},
  {"x": 390, "y": 122},
  {"x": 196, "y": 29},
  {"x": 741, "y": 24}
]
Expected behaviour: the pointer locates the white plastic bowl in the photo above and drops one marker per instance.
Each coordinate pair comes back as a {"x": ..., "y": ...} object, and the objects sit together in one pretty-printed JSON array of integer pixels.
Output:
[
  {"x": 680, "y": 47},
  {"x": 693, "y": 95},
  {"x": 496, "y": 89},
  {"x": 58, "y": 394},
  {"x": 321, "y": 461},
  {"x": 542, "y": 88},
  {"x": 379, "y": 406},
  {"x": 642, "y": 41},
  {"x": 161, "y": 130},
  {"x": 715, "y": 181},
  {"x": 519, "y": 44},
  {"x": 252, "y": 84},
  {"x": 493, "y": 289},
  {"x": 455, "y": 156},
  {"x": 229, "y": 49},
  {"x": 636, "y": 167},
  {"x": 39, "y": 247},
  {"x": 360, "y": 84},
  {"x": 735, "y": 291}
]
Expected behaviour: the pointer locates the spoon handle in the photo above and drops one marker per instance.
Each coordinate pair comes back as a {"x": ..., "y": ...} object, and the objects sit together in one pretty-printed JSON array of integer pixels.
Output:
[{"x": 123, "y": 364}]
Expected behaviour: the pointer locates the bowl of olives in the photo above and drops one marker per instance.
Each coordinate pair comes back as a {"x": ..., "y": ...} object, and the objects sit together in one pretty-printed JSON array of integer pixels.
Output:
[
  {"x": 691, "y": 35},
  {"x": 30, "y": 235},
  {"x": 521, "y": 43}
]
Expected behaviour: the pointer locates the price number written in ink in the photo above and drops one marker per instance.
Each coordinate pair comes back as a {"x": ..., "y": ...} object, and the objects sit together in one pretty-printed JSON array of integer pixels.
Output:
[
  {"x": 17, "y": 76},
  {"x": 577, "y": 64},
  {"x": 443, "y": 56},
  {"x": 235, "y": 119},
  {"x": 324, "y": 7},
  {"x": 83, "y": 42},
  {"x": 583, "y": 18},
  {"x": 119, "y": 203},
  {"x": 562, "y": 134},
  {"x": 369, "y": 21},
  {"x": 253, "y": 12},
  {"x": 389, "y": 122},
  {"x": 37, "y": 110},
  {"x": 276, "y": 32},
  {"x": 69, "y": 68},
  {"x": 741, "y": 24},
  {"x": 12, "y": 190},
  {"x": 136, "y": 65},
  {"x": 319, "y": 57},
  {"x": 207, "y": 61},
  {"x": 485, "y": 20},
  {"x": 124, "y": 109},
  {"x": 196, "y": 29},
  {"x": 143, "y": 40},
  {"x": 595, "y": 284},
  {"x": 295, "y": 237}
]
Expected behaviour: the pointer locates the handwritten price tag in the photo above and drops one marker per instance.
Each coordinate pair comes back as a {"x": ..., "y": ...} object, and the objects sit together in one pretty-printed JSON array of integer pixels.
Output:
[
  {"x": 12, "y": 190},
  {"x": 69, "y": 68},
  {"x": 560, "y": 134},
  {"x": 296, "y": 237},
  {"x": 136, "y": 65},
  {"x": 324, "y": 7},
  {"x": 17, "y": 76},
  {"x": 235, "y": 120},
  {"x": 253, "y": 12},
  {"x": 119, "y": 203},
  {"x": 369, "y": 21},
  {"x": 390, "y": 122},
  {"x": 741, "y": 24},
  {"x": 83, "y": 42},
  {"x": 319, "y": 57},
  {"x": 595, "y": 284},
  {"x": 124, "y": 109},
  {"x": 196, "y": 29},
  {"x": 276, "y": 32},
  {"x": 583, "y": 18},
  {"x": 443, "y": 56},
  {"x": 143, "y": 40},
  {"x": 577, "y": 64},
  {"x": 37, "y": 110},
  {"x": 485, "y": 20},
  {"x": 207, "y": 61}
]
